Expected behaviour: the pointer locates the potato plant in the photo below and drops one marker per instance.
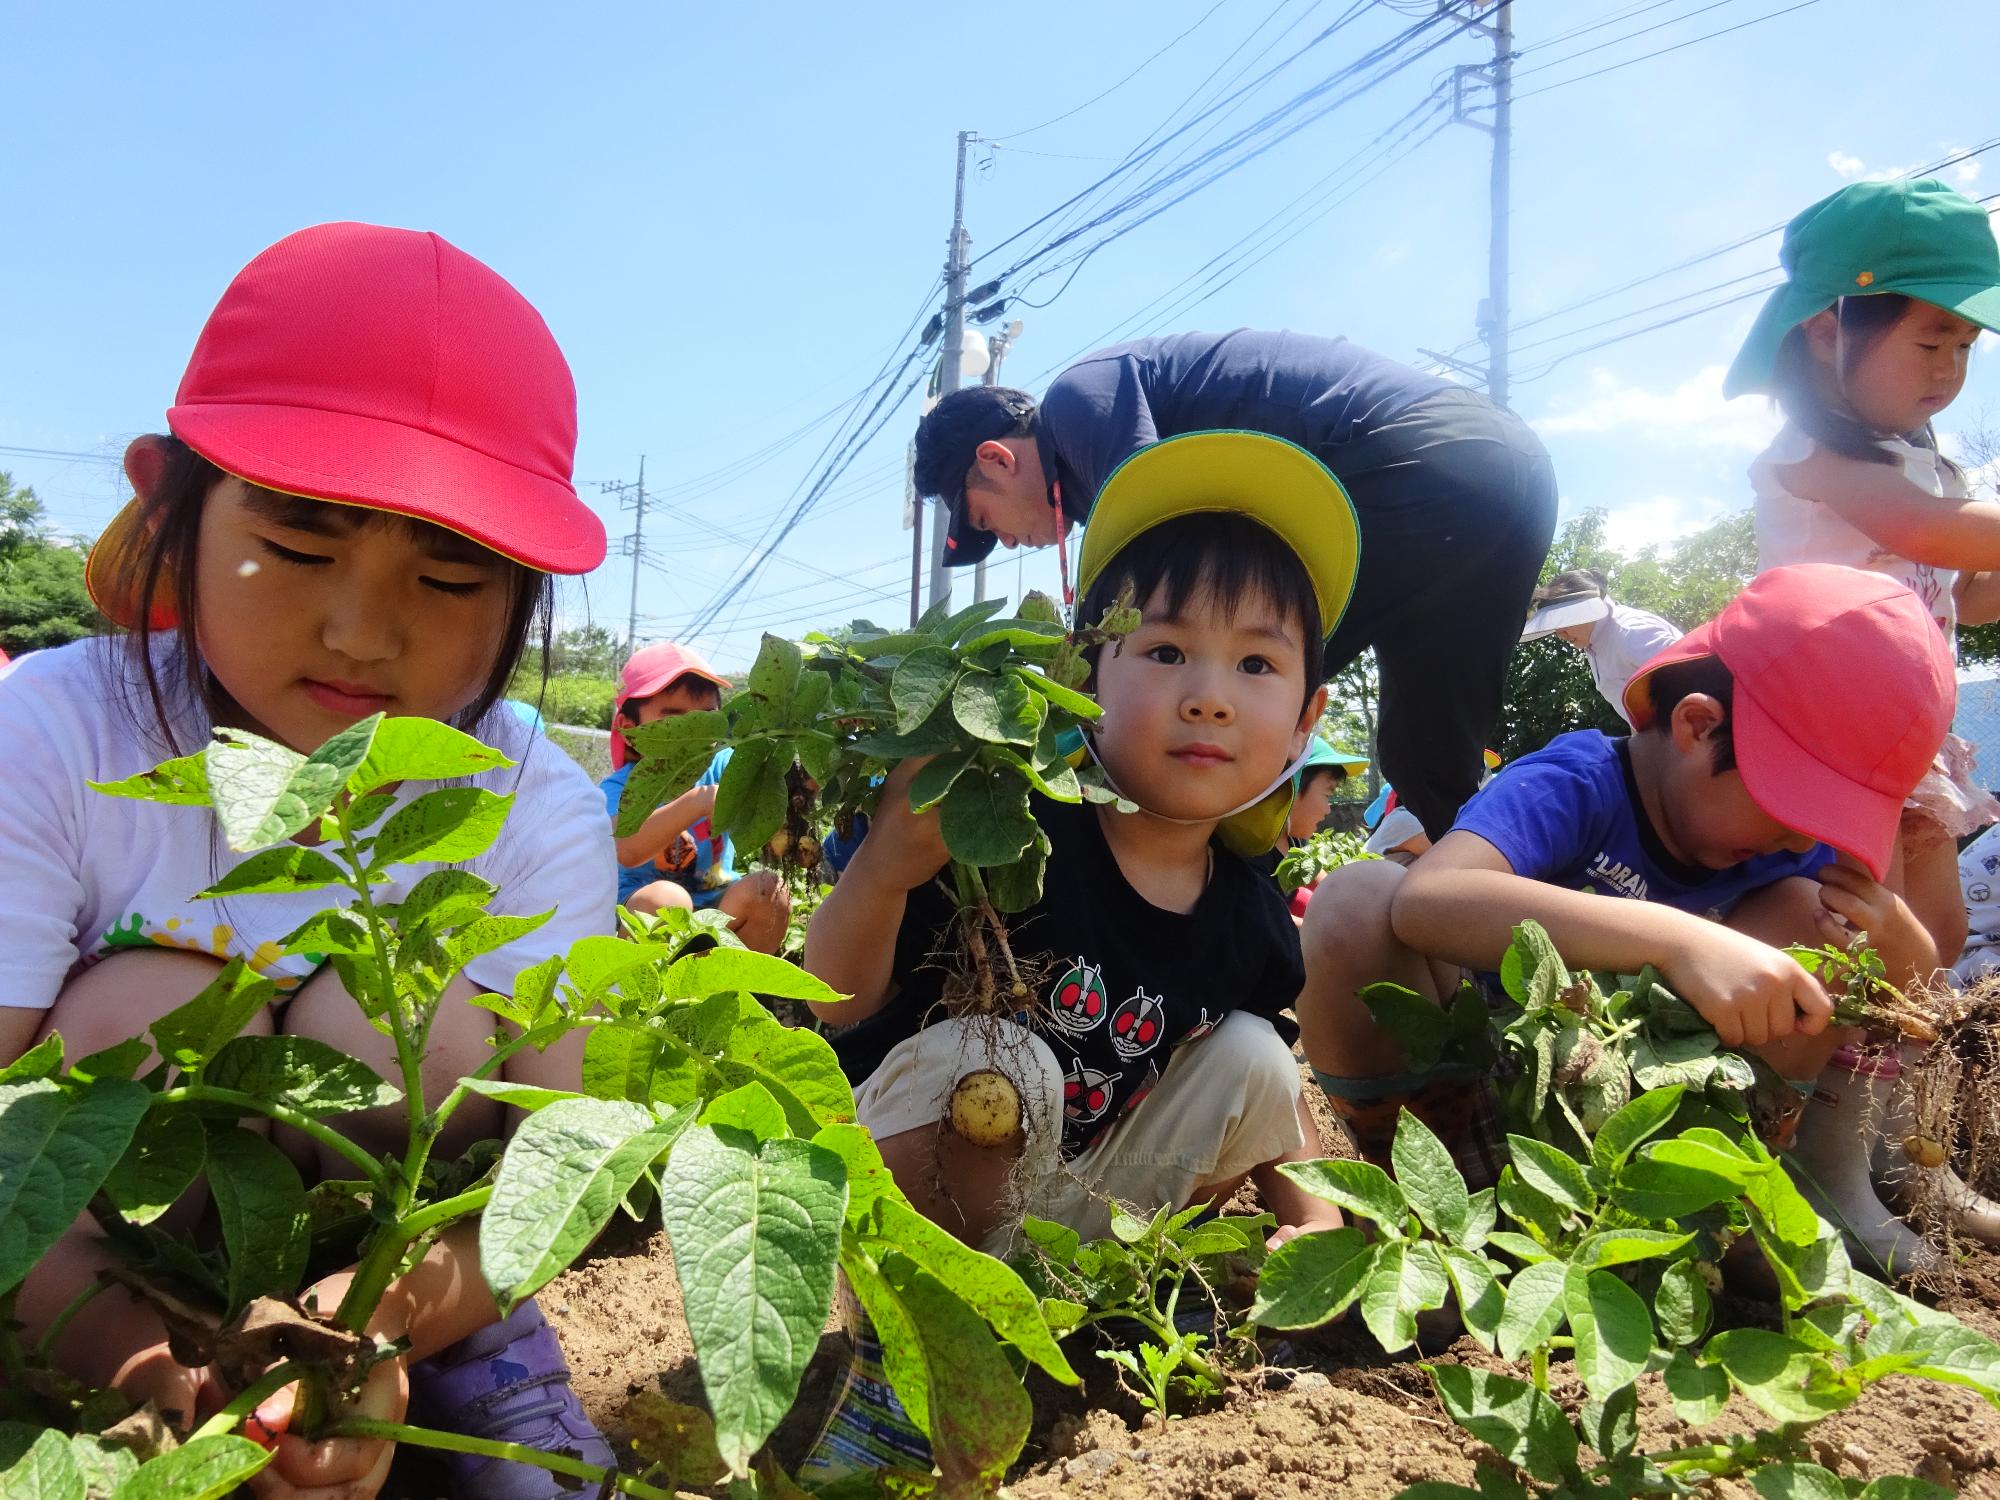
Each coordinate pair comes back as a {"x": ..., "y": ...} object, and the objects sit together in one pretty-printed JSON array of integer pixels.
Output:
[
  {"x": 1601, "y": 1245},
  {"x": 1310, "y": 861},
  {"x": 992, "y": 705},
  {"x": 692, "y": 1098}
]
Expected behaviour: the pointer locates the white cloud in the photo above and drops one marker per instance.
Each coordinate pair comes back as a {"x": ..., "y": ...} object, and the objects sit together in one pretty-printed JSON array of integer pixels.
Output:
[
  {"x": 1959, "y": 167},
  {"x": 1693, "y": 414},
  {"x": 1659, "y": 519},
  {"x": 1394, "y": 253}
]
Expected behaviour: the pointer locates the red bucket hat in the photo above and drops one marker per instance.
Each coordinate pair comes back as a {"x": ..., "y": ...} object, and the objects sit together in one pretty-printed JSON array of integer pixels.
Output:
[
  {"x": 389, "y": 369},
  {"x": 654, "y": 669},
  {"x": 1844, "y": 692}
]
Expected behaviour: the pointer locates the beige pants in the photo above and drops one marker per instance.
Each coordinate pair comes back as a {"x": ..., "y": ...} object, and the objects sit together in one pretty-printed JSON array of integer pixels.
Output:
[{"x": 1225, "y": 1104}]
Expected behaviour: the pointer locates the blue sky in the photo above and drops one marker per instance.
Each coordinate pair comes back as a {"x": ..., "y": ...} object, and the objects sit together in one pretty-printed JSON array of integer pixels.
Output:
[{"x": 730, "y": 214}]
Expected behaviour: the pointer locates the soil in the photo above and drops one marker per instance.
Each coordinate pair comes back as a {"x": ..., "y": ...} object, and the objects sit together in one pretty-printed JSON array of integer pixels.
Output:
[{"x": 1340, "y": 1419}]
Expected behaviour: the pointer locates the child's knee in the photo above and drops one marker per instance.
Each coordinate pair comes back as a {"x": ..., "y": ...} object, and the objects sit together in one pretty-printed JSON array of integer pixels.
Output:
[
  {"x": 122, "y": 995},
  {"x": 1248, "y": 1047},
  {"x": 660, "y": 895},
  {"x": 1350, "y": 910}
]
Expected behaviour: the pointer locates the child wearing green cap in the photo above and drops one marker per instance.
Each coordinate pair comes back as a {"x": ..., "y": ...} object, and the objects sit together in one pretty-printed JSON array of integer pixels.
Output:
[{"x": 1888, "y": 285}]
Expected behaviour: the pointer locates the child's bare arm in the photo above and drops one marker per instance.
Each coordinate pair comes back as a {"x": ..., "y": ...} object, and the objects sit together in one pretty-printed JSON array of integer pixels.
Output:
[
  {"x": 665, "y": 824},
  {"x": 1978, "y": 598},
  {"x": 1880, "y": 503},
  {"x": 1461, "y": 901},
  {"x": 851, "y": 941},
  {"x": 1297, "y": 1211}
]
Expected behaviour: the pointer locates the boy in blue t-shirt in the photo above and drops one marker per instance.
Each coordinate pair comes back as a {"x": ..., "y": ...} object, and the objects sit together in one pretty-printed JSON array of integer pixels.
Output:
[
  {"x": 676, "y": 857},
  {"x": 1799, "y": 718}
]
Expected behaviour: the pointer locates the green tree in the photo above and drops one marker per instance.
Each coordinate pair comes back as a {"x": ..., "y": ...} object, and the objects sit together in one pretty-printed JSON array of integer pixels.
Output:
[{"x": 43, "y": 601}]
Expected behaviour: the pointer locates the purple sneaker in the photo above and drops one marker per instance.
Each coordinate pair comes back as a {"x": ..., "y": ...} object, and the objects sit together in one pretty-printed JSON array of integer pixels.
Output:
[{"x": 508, "y": 1383}]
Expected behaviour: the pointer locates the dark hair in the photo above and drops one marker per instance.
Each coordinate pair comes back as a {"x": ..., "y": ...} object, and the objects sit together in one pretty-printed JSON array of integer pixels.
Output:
[
  {"x": 1218, "y": 555},
  {"x": 1800, "y": 385},
  {"x": 1335, "y": 774},
  {"x": 629, "y": 708},
  {"x": 952, "y": 431},
  {"x": 1571, "y": 584},
  {"x": 162, "y": 569},
  {"x": 1667, "y": 686}
]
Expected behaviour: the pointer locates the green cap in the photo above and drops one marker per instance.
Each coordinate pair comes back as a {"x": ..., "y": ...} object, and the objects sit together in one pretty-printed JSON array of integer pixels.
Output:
[
  {"x": 1320, "y": 753},
  {"x": 1921, "y": 239}
]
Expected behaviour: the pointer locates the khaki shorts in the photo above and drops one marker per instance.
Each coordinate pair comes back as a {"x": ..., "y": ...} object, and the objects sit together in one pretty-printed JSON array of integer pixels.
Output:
[{"x": 1225, "y": 1104}]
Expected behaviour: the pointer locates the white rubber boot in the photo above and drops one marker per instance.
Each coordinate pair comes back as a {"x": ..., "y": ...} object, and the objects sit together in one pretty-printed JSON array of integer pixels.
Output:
[
  {"x": 1973, "y": 1213},
  {"x": 1830, "y": 1162}
]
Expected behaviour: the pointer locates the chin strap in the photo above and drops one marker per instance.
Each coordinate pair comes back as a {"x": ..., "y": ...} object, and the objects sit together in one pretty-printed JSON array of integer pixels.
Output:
[{"x": 1286, "y": 775}]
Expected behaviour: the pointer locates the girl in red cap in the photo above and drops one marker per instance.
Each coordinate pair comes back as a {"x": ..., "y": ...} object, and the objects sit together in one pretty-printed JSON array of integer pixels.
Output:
[{"x": 364, "y": 494}]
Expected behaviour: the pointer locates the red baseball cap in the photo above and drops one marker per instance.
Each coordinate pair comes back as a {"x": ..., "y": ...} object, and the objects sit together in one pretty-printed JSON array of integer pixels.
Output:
[
  {"x": 1843, "y": 693},
  {"x": 389, "y": 369},
  {"x": 654, "y": 669}
]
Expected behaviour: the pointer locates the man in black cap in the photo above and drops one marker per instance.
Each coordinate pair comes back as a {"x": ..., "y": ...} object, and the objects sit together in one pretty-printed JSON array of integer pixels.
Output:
[{"x": 1456, "y": 497}]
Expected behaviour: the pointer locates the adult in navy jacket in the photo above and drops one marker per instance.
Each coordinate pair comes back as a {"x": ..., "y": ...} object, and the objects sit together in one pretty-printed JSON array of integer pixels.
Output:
[{"x": 1455, "y": 495}]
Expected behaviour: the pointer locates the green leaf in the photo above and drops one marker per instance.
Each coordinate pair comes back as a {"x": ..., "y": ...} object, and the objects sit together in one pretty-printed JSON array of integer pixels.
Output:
[
  {"x": 755, "y": 1229},
  {"x": 922, "y": 680},
  {"x": 954, "y": 628},
  {"x": 565, "y": 1171},
  {"x": 325, "y": 933},
  {"x": 1797, "y": 1481},
  {"x": 1661, "y": 1061},
  {"x": 172, "y": 783},
  {"x": 1420, "y": 1028},
  {"x": 1652, "y": 1188},
  {"x": 42, "y": 1060},
  {"x": 120, "y": 1060},
  {"x": 488, "y": 934},
  {"x": 265, "y": 793},
  {"x": 1359, "y": 1187},
  {"x": 189, "y": 1035},
  {"x": 999, "y": 710},
  {"x": 1312, "y": 1278},
  {"x": 1631, "y": 1127},
  {"x": 1699, "y": 1391},
  {"x": 1479, "y": 1298},
  {"x": 929, "y": 785},
  {"x": 1611, "y": 1425},
  {"x": 1510, "y": 1416},
  {"x": 1016, "y": 635},
  {"x": 640, "y": 1064},
  {"x": 774, "y": 675},
  {"x": 1552, "y": 1173},
  {"x": 1068, "y": 700},
  {"x": 882, "y": 1219},
  {"x": 161, "y": 1164},
  {"x": 722, "y": 969},
  {"x": 976, "y": 1413},
  {"x": 262, "y": 1205},
  {"x": 307, "y": 1075},
  {"x": 662, "y": 776},
  {"x": 1527, "y": 1206},
  {"x": 47, "y": 1471},
  {"x": 57, "y": 1145},
  {"x": 985, "y": 819},
  {"x": 750, "y": 800},
  {"x": 750, "y": 1109},
  {"x": 1682, "y": 1306},
  {"x": 1408, "y": 1277},
  {"x": 1429, "y": 1179},
  {"x": 1613, "y": 1330},
  {"x": 421, "y": 750},
  {"x": 598, "y": 962},
  {"x": 1902, "y": 1487},
  {"x": 206, "y": 1469},
  {"x": 1534, "y": 1309},
  {"x": 1785, "y": 1378},
  {"x": 285, "y": 868},
  {"x": 444, "y": 898},
  {"x": 1532, "y": 972},
  {"x": 793, "y": 1061},
  {"x": 450, "y": 824},
  {"x": 1055, "y": 779},
  {"x": 526, "y": 1097},
  {"x": 104, "y": 1464},
  {"x": 1617, "y": 1247}
]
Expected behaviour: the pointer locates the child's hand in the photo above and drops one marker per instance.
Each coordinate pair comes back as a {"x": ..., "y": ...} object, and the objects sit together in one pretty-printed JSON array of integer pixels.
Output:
[
  {"x": 338, "y": 1468},
  {"x": 1750, "y": 992},
  {"x": 1853, "y": 901},
  {"x": 1328, "y": 1218},
  {"x": 903, "y": 849}
]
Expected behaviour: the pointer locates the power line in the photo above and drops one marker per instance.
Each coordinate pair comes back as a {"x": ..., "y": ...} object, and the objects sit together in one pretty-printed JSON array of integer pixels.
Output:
[
  {"x": 1663, "y": 51},
  {"x": 1556, "y": 62},
  {"x": 1201, "y": 21}
]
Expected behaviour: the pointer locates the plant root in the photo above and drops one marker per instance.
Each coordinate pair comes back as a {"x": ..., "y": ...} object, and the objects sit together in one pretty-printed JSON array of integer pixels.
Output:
[{"x": 1944, "y": 1123}]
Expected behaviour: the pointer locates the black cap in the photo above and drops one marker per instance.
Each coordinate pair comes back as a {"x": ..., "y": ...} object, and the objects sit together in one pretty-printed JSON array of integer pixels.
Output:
[{"x": 947, "y": 438}]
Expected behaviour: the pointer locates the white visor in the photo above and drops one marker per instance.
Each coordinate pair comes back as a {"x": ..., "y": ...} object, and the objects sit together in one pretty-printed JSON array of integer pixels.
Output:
[{"x": 1553, "y": 617}]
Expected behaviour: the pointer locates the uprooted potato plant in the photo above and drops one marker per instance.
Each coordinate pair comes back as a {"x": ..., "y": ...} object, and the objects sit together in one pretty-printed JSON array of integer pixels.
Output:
[{"x": 694, "y": 1103}]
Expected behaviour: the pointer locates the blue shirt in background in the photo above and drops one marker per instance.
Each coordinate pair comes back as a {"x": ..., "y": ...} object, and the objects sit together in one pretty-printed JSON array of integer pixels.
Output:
[
  {"x": 1570, "y": 815},
  {"x": 703, "y": 872}
]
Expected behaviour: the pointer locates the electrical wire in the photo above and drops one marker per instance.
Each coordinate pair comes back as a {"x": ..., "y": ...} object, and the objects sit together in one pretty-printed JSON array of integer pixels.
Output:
[
  {"x": 1202, "y": 20},
  {"x": 1556, "y": 62},
  {"x": 1706, "y": 36}
]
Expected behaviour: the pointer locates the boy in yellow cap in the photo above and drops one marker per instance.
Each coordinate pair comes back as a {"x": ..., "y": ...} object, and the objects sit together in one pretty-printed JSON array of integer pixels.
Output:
[{"x": 1155, "y": 1065}]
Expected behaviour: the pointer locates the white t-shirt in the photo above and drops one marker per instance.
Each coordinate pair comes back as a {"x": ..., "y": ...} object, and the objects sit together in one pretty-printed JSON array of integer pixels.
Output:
[
  {"x": 84, "y": 874},
  {"x": 1621, "y": 643},
  {"x": 1791, "y": 529}
]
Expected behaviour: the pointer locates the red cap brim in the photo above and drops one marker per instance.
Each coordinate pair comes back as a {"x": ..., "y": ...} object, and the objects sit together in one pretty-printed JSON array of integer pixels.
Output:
[{"x": 530, "y": 518}]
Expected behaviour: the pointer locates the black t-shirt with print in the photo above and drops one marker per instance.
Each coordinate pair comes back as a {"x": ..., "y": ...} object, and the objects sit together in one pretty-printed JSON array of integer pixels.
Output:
[{"x": 1127, "y": 981}]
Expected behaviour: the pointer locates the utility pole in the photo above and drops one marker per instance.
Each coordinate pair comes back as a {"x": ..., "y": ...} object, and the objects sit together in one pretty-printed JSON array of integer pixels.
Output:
[
  {"x": 1499, "y": 75},
  {"x": 949, "y": 370},
  {"x": 637, "y": 543},
  {"x": 997, "y": 346},
  {"x": 915, "y": 503}
]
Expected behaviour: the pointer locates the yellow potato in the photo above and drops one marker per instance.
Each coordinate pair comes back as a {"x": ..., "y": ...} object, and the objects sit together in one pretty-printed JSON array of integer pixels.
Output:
[{"x": 986, "y": 1108}]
